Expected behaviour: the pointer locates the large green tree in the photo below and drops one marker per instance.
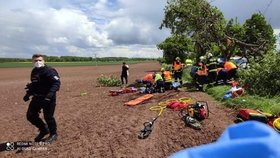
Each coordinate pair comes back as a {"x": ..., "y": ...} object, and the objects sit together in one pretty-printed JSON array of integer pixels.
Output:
[
  {"x": 233, "y": 30},
  {"x": 196, "y": 19},
  {"x": 259, "y": 32},
  {"x": 175, "y": 46},
  {"x": 206, "y": 26}
]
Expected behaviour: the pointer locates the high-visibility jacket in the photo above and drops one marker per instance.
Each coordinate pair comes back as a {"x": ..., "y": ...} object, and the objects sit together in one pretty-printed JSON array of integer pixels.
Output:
[
  {"x": 158, "y": 78},
  {"x": 229, "y": 66},
  {"x": 148, "y": 77},
  {"x": 177, "y": 66},
  {"x": 212, "y": 65},
  {"x": 202, "y": 71},
  {"x": 167, "y": 76}
]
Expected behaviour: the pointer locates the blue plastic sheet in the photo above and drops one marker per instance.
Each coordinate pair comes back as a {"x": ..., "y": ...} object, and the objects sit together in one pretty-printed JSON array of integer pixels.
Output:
[
  {"x": 250, "y": 139},
  {"x": 175, "y": 84}
]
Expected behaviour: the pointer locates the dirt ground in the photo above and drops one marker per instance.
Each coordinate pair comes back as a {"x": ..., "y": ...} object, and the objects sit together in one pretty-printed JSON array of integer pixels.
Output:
[{"x": 98, "y": 125}]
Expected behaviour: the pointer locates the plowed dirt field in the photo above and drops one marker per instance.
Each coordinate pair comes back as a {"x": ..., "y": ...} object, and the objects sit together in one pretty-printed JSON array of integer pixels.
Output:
[{"x": 99, "y": 125}]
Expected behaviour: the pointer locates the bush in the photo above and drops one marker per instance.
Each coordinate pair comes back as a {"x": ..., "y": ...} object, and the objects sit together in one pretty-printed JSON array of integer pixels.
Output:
[
  {"x": 108, "y": 81},
  {"x": 263, "y": 77},
  {"x": 186, "y": 75},
  {"x": 167, "y": 67}
]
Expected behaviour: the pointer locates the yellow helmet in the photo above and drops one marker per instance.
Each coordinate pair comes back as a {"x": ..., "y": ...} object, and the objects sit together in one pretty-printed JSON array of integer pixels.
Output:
[
  {"x": 276, "y": 124},
  {"x": 189, "y": 62},
  {"x": 162, "y": 69},
  {"x": 177, "y": 58},
  {"x": 202, "y": 57}
]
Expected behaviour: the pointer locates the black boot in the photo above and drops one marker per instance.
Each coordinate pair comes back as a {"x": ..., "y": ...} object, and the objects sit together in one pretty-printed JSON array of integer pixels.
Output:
[
  {"x": 42, "y": 134},
  {"x": 51, "y": 138}
]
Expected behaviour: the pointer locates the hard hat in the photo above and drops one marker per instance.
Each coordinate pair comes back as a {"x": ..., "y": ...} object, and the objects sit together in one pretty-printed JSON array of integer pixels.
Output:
[
  {"x": 177, "y": 58},
  {"x": 202, "y": 57},
  {"x": 209, "y": 55},
  {"x": 162, "y": 69},
  {"x": 221, "y": 60},
  {"x": 189, "y": 62},
  {"x": 276, "y": 124}
]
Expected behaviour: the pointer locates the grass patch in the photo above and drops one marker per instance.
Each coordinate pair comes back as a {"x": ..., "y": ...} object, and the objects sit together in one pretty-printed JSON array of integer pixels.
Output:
[
  {"x": 271, "y": 105},
  {"x": 266, "y": 104}
]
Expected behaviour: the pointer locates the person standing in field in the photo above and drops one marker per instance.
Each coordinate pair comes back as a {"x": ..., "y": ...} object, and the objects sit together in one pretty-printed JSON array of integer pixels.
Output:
[
  {"x": 125, "y": 73},
  {"x": 178, "y": 70},
  {"x": 45, "y": 82}
]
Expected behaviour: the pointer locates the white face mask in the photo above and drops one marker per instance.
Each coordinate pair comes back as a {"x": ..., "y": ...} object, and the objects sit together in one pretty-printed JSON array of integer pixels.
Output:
[{"x": 39, "y": 64}]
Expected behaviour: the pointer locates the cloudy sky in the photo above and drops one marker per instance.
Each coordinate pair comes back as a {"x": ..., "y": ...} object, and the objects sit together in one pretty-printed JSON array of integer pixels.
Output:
[{"x": 120, "y": 28}]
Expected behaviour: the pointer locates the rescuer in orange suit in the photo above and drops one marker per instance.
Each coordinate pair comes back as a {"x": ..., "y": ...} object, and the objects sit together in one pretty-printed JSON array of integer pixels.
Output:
[
  {"x": 231, "y": 69},
  {"x": 167, "y": 78},
  {"x": 178, "y": 70}
]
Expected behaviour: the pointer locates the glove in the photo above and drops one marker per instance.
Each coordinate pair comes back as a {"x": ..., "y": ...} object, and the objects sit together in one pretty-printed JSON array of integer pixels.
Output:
[
  {"x": 26, "y": 97},
  {"x": 46, "y": 101},
  {"x": 48, "y": 98}
]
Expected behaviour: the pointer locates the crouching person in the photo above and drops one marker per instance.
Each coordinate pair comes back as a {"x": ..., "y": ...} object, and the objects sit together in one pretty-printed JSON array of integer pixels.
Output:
[
  {"x": 167, "y": 78},
  {"x": 159, "y": 83},
  {"x": 231, "y": 69},
  {"x": 222, "y": 76},
  {"x": 148, "y": 82},
  {"x": 201, "y": 76}
]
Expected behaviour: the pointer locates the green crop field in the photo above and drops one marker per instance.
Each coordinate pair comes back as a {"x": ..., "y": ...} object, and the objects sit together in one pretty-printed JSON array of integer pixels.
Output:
[{"x": 56, "y": 64}]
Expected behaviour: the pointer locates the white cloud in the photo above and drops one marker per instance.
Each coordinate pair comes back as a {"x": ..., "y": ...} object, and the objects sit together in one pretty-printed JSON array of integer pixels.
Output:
[
  {"x": 126, "y": 31},
  {"x": 277, "y": 34},
  {"x": 34, "y": 29},
  {"x": 148, "y": 51},
  {"x": 137, "y": 22},
  {"x": 80, "y": 28},
  {"x": 128, "y": 28}
]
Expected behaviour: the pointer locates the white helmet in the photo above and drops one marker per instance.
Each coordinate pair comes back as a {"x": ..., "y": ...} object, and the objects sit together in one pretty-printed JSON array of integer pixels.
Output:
[{"x": 209, "y": 55}]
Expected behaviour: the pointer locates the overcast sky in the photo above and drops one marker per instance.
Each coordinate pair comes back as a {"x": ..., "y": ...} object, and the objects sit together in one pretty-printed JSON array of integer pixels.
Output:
[{"x": 120, "y": 28}]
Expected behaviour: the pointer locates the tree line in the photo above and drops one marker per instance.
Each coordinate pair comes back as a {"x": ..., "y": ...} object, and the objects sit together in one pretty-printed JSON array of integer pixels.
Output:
[{"x": 76, "y": 59}]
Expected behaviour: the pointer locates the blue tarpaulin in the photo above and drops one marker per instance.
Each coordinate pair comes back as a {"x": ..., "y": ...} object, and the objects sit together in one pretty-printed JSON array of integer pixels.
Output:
[{"x": 250, "y": 139}]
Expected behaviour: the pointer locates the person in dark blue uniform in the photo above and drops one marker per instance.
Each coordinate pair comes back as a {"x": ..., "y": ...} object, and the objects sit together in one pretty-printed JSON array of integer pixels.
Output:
[
  {"x": 125, "y": 73},
  {"x": 45, "y": 82}
]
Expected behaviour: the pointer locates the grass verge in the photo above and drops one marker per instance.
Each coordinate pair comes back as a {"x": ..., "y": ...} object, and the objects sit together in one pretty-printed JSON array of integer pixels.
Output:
[
  {"x": 271, "y": 105},
  {"x": 266, "y": 104}
]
